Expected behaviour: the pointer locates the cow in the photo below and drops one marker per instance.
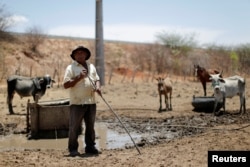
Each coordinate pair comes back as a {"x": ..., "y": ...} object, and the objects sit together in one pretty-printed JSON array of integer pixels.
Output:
[
  {"x": 228, "y": 88},
  {"x": 164, "y": 88},
  {"x": 26, "y": 86},
  {"x": 204, "y": 76}
]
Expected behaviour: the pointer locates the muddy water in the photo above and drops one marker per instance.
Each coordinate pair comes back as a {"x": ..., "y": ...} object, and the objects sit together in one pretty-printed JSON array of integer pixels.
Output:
[
  {"x": 106, "y": 139},
  {"x": 111, "y": 135}
]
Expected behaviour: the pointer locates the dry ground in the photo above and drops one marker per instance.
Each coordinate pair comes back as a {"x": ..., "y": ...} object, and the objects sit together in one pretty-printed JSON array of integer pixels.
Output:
[{"x": 137, "y": 104}]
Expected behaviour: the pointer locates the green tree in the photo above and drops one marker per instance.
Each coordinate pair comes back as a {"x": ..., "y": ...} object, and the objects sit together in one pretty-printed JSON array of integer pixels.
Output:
[{"x": 234, "y": 60}]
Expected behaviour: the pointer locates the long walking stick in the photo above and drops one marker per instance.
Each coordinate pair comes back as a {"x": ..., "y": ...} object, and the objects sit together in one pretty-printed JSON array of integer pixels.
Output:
[{"x": 93, "y": 84}]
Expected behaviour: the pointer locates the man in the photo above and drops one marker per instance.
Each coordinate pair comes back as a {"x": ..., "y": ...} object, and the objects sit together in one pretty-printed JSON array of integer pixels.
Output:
[{"x": 82, "y": 80}]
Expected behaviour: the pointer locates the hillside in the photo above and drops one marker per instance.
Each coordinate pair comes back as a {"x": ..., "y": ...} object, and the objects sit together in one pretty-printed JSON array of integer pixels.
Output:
[
  {"x": 123, "y": 59},
  {"x": 54, "y": 54}
]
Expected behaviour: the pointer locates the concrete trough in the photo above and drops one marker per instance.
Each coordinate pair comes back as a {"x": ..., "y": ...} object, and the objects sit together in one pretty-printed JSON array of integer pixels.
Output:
[{"x": 48, "y": 119}]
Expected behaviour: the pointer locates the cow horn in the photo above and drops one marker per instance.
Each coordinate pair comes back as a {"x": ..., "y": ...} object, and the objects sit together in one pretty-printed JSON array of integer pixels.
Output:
[{"x": 221, "y": 72}]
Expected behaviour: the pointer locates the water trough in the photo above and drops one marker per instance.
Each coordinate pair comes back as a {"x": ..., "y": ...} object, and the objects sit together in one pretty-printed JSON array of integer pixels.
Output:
[{"x": 205, "y": 103}]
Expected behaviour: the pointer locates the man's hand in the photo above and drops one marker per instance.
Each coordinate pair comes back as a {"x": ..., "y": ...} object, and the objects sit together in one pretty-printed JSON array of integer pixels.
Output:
[
  {"x": 98, "y": 88},
  {"x": 73, "y": 81},
  {"x": 99, "y": 91},
  {"x": 82, "y": 75}
]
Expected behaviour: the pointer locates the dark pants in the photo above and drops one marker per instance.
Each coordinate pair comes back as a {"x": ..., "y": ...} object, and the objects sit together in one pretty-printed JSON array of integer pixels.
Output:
[{"x": 77, "y": 114}]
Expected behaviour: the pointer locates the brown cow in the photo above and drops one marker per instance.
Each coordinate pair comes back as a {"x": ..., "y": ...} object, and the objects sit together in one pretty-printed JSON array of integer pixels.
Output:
[
  {"x": 204, "y": 76},
  {"x": 165, "y": 88}
]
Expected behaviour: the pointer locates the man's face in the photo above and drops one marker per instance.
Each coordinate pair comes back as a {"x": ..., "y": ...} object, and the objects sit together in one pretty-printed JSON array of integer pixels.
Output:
[{"x": 80, "y": 56}]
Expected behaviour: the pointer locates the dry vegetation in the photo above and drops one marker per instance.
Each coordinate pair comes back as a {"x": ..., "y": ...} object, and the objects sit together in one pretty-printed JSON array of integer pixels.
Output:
[{"x": 127, "y": 59}]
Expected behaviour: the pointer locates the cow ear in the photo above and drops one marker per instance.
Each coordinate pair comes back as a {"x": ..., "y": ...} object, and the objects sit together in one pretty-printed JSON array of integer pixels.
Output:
[
  {"x": 41, "y": 81},
  {"x": 222, "y": 80},
  {"x": 157, "y": 78},
  {"x": 210, "y": 77}
]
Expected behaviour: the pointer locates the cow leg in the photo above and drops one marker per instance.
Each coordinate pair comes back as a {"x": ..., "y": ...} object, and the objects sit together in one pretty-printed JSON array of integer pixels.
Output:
[
  {"x": 10, "y": 99},
  {"x": 170, "y": 101},
  {"x": 166, "y": 101},
  {"x": 216, "y": 113},
  {"x": 224, "y": 104},
  {"x": 160, "y": 104},
  {"x": 215, "y": 106},
  {"x": 204, "y": 88},
  {"x": 242, "y": 104}
]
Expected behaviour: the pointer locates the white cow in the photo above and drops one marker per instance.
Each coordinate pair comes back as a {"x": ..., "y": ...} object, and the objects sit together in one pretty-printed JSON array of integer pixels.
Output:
[{"x": 227, "y": 88}]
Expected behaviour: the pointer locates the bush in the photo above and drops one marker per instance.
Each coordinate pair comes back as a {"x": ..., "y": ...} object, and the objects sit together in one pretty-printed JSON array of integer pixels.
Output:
[{"x": 34, "y": 37}]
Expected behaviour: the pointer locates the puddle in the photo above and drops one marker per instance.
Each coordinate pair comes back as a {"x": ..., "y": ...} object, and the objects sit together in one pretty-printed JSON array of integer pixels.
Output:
[{"x": 106, "y": 139}]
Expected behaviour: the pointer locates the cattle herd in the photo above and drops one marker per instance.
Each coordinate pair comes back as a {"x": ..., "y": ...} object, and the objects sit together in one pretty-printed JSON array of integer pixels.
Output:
[{"x": 223, "y": 88}]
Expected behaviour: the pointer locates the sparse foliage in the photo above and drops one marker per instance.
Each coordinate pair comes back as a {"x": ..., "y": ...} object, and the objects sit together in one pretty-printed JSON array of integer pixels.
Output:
[
  {"x": 220, "y": 56},
  {"x": 243, "y": 52},
  {"x": 34, "y": 37},
  {"x": 4, "y": 24},
  {"x": 178, "y": 44},
  {"x": 3, "y": 67}
]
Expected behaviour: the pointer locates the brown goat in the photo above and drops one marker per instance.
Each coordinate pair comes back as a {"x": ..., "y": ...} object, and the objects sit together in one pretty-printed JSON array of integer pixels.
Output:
[{"x": 165, "y": 88}]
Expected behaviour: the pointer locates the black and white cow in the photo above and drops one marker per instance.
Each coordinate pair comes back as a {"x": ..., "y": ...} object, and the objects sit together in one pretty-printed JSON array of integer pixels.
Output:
[
  {"x": 228, "y": 88},
  {"x": 26, "y": 86}
]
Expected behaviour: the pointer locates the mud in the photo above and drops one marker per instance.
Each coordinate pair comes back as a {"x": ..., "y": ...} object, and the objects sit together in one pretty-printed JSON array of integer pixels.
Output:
[{"x": 153, "y": 131}]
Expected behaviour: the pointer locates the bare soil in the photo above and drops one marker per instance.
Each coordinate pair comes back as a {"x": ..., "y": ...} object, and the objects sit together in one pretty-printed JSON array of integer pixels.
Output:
[{"x": 195, "y": 133}]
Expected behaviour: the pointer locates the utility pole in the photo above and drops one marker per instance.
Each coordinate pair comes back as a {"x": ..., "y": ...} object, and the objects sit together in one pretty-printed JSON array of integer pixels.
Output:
[{"x": 99, "y": 61}]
